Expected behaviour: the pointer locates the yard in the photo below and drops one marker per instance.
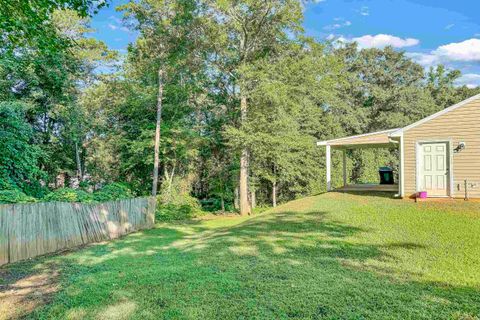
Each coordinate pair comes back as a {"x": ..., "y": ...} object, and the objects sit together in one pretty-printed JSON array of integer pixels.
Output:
[{"x": 326, "y": 257}]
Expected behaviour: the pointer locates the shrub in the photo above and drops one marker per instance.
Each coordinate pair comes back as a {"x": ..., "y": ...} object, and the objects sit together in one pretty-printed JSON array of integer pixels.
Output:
[
  {"x": 69, "y": 195},
  {"x": 112, "y": 191},
  {"x": 169, "y": 212},
  {"x": 184, "y": 208},
  {"x": 14, "y": 196},
  {"x": 175, "y": 202}
]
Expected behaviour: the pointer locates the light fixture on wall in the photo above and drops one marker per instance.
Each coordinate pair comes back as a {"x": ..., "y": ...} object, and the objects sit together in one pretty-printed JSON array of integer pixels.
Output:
[{"x": 461, "y": 146}]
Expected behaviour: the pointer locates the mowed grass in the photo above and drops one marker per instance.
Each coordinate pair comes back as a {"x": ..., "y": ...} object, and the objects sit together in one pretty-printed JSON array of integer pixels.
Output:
[{"x": 333, "y": 256}]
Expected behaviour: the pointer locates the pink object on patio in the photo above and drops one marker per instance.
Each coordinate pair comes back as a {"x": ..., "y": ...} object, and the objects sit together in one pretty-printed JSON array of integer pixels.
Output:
[{"x": 422, "y": 194}]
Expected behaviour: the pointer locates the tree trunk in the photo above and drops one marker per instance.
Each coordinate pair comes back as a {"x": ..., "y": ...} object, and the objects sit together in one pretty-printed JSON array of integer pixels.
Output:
[
  {"x": 274, "y": 193},
  {"x": 157, "y": 131},
  {"x": 236, "y": 202},
  {"x": 79, "y": 163},
  {"x": 244, "y": 204},
  {"x": 222, "y": 202},
  {"x": 169, "y": 179},
  {"x": 274, "y": 186},
  {"x": 253, "y": 198}
]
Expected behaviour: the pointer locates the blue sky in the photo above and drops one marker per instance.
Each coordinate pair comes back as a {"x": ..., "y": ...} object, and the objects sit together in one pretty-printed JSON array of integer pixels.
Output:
[{"x": 430, "y": 31}]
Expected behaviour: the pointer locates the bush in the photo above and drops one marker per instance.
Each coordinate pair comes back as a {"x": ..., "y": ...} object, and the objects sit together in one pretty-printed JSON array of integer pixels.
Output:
[
  {"x": 112, "y": 191},
  {"x": 69, "y": 195},
  {"x": 15, "y": 196},
  {"x": 175, "y": 202},
  {"x": 184, "y": 208}
]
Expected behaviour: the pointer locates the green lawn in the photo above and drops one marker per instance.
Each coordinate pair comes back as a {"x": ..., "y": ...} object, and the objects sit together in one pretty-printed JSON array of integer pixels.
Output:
[{"x": 333, "y": 256}]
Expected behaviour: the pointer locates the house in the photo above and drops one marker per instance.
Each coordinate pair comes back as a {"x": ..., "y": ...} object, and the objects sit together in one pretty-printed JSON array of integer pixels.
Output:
[{"x": 439, "y": 154}]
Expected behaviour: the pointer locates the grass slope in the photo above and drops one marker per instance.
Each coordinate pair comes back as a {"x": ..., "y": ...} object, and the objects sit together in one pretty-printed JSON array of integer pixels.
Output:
[{"x": 333, "y": 256}]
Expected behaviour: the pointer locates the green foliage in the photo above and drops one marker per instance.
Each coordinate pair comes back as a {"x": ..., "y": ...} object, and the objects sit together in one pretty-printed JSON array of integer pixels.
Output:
[
  {"x": 180, "y": 207},
  {"x": 29, "y": 24},
  {"x": 175, "y": 201},
  {"x": 112, "y": 191},
  {"x": 285, "y": 119},
  {"x": 49, "y": 66},
  {"x": 19, "y": 156},
  {"x": 69, "y": 195},
  {"x": 207, "y": 55},
  {"x": 186, "y": 208},
  {"x": 215, "y": 205},
  {"x": 15, "y": 196}
]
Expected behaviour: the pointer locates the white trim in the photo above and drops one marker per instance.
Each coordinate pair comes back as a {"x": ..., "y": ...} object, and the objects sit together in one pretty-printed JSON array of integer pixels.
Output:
[
  {"x": 450, "y": 164},
  {"x": 344, "y": 168},
  {"x": 328, "y": 165},
  {"x": 402, "y": 166},
  {"x": 435, "y": 115},
  {"x": 450, "y": 167},
  {"x": 326, "y": 142}
]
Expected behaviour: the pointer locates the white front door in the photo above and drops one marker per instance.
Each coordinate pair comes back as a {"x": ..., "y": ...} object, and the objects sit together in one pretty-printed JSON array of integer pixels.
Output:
[{"x": 433, "y": 169}]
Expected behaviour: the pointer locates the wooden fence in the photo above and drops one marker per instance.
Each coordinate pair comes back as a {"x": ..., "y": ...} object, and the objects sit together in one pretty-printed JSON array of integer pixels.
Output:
[{"x": 30, "y": 230}]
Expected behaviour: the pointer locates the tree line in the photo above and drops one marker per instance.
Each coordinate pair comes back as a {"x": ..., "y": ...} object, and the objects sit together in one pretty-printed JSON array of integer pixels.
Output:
[{"x": 217, "y": 100}]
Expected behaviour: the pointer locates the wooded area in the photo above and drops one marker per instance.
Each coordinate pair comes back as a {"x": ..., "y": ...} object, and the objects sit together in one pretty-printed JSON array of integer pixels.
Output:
[{"x": 218, "y": 100}]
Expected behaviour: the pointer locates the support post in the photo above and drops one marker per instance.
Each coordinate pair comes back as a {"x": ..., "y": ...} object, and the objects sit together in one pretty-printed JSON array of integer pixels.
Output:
[
  {"x": 328, "y": 165},
  {"x": 401, "y": 176},
  {"x": 344, "y": 168}
]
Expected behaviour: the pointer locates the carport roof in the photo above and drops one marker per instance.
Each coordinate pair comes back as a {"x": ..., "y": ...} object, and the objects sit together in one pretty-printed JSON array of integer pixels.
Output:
[{"x": 379, "y": 139}]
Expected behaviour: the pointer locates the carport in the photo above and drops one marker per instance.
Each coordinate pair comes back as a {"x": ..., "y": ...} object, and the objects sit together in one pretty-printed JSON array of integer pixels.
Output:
[{"x": 379, "y": 139}]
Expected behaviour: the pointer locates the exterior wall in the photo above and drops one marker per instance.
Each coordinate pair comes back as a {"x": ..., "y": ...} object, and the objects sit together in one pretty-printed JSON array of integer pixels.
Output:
[{"x": 461, "y": 124}]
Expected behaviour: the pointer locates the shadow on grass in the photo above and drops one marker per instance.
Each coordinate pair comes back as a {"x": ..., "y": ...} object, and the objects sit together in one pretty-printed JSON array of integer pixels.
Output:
[
  {"x": 275, "y": 266},
  {"x": 367, "y": 193}
]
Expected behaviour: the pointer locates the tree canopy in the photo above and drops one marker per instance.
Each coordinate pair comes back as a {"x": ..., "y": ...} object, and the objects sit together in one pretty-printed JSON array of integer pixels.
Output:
[{"x": 217, "y": 101}]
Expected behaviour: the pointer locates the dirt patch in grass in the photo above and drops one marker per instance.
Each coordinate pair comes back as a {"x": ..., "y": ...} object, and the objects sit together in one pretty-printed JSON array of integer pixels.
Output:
[{"x": 24, "y": 289}]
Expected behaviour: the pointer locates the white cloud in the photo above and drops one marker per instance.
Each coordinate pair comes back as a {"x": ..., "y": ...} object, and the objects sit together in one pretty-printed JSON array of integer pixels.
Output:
[
  {"x": 365, "y": 11},
  {"x": 467, "y": 51},
  {"x": 449, "y": 26},
  {"x": 339, "y": 23},
  {"x": 471, "y": 80},
  {"x": 117, "y": 27},
  {"x": 383, "y": 40},
  {"x": 338, "y": 39},
  {"x": 425, "y": 59},
  {"x": 116, "y": 19}
]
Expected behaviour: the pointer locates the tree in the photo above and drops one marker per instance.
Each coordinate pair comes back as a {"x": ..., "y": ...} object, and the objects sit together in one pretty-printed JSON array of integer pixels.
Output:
[
  {"x": 167, "y": 39},
  {"x": 384, "y": 85},
  {"x": 51, "y": 81},
  {"x": 19, "y": 156},
  {"x": 28, "y": 23},
  {"x": 288, "y": 113},
  {"x": 88, "y": 54},
  {"x": 441, "y": 85},
  {"x": 245, "y": 32}
]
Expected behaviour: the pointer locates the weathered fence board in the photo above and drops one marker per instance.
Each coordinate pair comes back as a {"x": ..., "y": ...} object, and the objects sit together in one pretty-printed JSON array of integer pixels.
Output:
[{"x": 30, "y": 230}]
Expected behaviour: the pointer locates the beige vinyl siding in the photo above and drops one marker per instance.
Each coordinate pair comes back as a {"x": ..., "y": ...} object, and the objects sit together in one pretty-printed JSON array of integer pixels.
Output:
[{"x": 461, "y": 124}]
